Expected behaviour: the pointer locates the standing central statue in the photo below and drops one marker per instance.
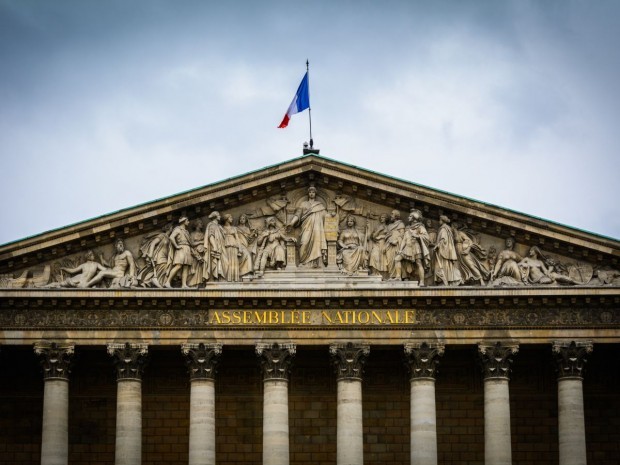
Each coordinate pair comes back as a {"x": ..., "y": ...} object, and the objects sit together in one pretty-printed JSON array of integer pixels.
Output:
[{"x": 311, "y": 217}]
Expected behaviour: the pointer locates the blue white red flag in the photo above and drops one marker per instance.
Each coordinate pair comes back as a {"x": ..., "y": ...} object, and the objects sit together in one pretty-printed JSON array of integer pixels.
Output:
[{"x": 300, "y": 102}]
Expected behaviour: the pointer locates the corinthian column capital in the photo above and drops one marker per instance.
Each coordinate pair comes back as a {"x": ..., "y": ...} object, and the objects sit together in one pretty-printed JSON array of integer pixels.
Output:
[
  {"x": 55, "y": 359},
  {"x": 129, "y": 359},
  {"x": 571, "y": 358},
  {"x": 348, "y": 359},
  {"x": 275, "y": 360},
  {"x": 423, "y": 358},
  {"x": 496, "y": 359},
  {"x": 202, "y": 359}
]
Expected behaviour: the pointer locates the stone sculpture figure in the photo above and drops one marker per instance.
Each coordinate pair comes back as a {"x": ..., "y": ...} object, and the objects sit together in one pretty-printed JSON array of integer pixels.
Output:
[
  {"x": 85, "y": 272},
  {"x": 470, "y": 256},
  {"x": 393, "y": 238},
  {"x": 352, "y": 253},
  {"x": 506, "y": 270},
  {"x": 533, "y": 270},
  {"x": 214, "y": 258},
  {"x": 123, "y": 271},
  {"x": 376, "y": 262},
  {"x": 414, "y": 252},
  {"x": 197, "y": 237},
  {"x": 247, "y": 243},
  {"x": 154, "y": 249},
  {"x": 181, "y": 253},
  {"x": 271, "y": 248},
  {"x": 536, "y": 268},
  {"x": 312, "y": 243},
  {"x": 429, "y": 275},
  {"x": 445, "y": 259},
  {"x": 238, "y": 261}
]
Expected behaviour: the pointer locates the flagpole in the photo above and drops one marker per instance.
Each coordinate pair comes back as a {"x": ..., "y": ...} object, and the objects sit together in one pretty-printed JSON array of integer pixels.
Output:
[{"x": 309, "y": 109}]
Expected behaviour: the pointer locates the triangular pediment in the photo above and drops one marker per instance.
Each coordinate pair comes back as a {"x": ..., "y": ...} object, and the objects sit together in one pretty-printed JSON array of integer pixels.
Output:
[{"x": 462, "y": 240}]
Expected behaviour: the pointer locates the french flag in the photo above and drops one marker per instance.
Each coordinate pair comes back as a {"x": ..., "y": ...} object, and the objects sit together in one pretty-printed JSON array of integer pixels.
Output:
[{"x": 300, "y": 102}]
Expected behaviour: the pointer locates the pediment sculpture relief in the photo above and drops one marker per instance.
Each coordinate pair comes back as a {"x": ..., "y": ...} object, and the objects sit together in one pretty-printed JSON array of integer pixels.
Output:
[{"x": 312, "y": 230}]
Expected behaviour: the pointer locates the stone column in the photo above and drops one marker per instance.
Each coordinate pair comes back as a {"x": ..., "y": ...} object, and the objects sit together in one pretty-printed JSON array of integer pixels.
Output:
[
  {"x": 129, "y": 360},
  {"x": 571, "y": 359},
  {"x": 349, "y": 362},
  {"x": 422, "y": 361},
  {"x": 202, "y": 363},
  {"x": 55, "y": 360},
  {"x": 276, "y": 363},
  {"x": 496, "y": 360}
]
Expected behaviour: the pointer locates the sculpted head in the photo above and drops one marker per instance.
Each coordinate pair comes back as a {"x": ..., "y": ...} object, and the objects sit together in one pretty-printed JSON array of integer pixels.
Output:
[
  {"x": 415, "y": 214},
  {"x": 120, "y": 245},
  {"x": 534, "y": 252},
  {"x": 243, "y": 219},
  {"x": 90, "y": 255},
  {"x": 383, "y": 218},
  {"x": 443, "y": 219},
  {"x": 271, "y": 222},
  {"x": 395, "y": 215},
  {"x": 228, "y": 218},
  {"x": 312, "y": 192},
  {"x": 351, "y": 221},
  {"x": 215, "y": 215},
  {"x": 510, "y": 243},
  {"x": 183, "y": 220},
  {"x": 198, "y": 224}
]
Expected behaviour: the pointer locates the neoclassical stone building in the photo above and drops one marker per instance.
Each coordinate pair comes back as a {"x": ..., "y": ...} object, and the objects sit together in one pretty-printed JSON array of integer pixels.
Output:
[{"x": 310, "y": 312}]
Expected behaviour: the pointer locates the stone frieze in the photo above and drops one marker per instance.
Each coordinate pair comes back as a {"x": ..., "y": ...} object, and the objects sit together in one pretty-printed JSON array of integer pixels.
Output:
[
  {"x": 312, "y": 230},
  {"x": 334, "y": 319}
]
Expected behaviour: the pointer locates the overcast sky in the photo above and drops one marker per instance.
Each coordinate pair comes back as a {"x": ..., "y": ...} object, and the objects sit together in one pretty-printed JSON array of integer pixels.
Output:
[{"x": 109, "y": 104}]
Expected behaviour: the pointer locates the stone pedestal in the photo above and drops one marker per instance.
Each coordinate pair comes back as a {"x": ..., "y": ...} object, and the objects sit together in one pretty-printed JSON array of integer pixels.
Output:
[
  {"x": 275, "y": 361},
  {"x": 571, "y": 423},
  {"x": 496, "y": 362},
  {"x": 55, "y": 361},
  {"x": 291, "y": 255},
  {"x": 348, "y": 361},
  {"x": 129, "y": 360},
  {"x": 422, "y": 360},
  {"x": 202, "y": 362}
]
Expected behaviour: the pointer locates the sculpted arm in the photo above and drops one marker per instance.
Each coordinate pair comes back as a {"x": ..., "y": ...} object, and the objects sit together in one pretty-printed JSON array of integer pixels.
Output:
[
  {"x": 173, "y": 239},
  {"x": 73, "y": 270}
]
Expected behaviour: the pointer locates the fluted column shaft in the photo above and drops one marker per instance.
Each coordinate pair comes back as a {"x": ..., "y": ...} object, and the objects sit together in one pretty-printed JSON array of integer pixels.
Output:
[
  {"x": 202, "y": 362},
  {"x": 348, "y": 361},
  {"x": 129, "y": 360},
  {"x": 571, "y": 421},
  {"x": 276, "y": 362},
  {"x": 55, "y": 360},
  {"x": 496, "y": 362},
  {"x": 422, "y": 360}
]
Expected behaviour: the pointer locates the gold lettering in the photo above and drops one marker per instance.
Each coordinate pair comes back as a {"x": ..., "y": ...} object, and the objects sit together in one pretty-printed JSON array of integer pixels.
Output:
[
  {"x": 305, "y": 317},
  {"x": 324, "y": 315},
  {"x": 236, "y": 317},
  {"x": 409, "y": 316},
  {"x": 216, "y": 318},
  {"x": 295, "y": 317},
  {"x": 390, "y": 318},
  {"x": 260, "y": 317},
  {"x": 363, "y": 314},
  {"x": 377, "y": 317},
  {"x": 273, "y": 317}
]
